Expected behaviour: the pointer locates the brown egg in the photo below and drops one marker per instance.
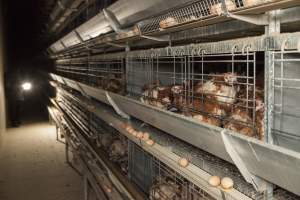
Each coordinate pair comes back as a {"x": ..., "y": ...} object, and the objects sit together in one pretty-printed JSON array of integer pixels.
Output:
[
  {"x": 150, "y": 142},
  {"x": 108, "y": 189},
  {"x": 146, "y": 136},
  {"x": 130, "y": 130},
  {"x": 227, "y": 183},
  {"x": 140, "y": 135},
  {"x": 127, "y": 128},
  {"x": 183, "y": 162},
  {"x": 134, "y": 133},
  {"x": 214, "y": 181}
]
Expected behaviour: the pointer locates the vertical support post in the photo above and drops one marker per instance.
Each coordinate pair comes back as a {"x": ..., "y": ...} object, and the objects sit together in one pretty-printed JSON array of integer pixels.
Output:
[
  {"x": 273, "y": 27},
  {"x": 57, "y": 132},
  {"x": 86, "y": 187},
  {"x": 274, "y": 23},
  {"x": 67, "y": 152}
]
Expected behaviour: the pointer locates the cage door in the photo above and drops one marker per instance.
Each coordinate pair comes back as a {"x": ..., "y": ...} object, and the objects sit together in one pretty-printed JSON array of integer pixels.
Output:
[{"x": 284, "y": 98}]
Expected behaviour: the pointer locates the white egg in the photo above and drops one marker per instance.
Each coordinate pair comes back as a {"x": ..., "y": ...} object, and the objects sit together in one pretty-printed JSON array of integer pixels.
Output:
[
  {"x": 227, "y": 183},
  {"x": 150, "y": 142},
  {"x": 183, "y": 162},
  {"x": 214, "y": 181}
]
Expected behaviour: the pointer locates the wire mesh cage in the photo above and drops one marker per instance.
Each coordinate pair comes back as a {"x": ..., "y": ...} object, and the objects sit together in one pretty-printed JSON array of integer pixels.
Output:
[
  {"x": 281, "y": 194},
  {"x": 170, "y": 185},
  {"x": 107, "y": 74},
  {"x": 167, "y": 183},
  {"x": 77, "y": 70},
  {"x": 224, "y": 90},
  {"x": 140, "y": 167},
  {"x": 284, "y": 95},
  {"x": 217, "y": 167},
  {"x": 196, "y": 11},
  {"x": 105, "y": 136}
]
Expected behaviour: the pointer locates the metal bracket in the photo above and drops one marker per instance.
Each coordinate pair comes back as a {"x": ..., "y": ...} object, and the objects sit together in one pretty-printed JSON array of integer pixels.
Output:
[
  {"x": 117, "y": 27},
  {"x": 78, "y": 36},
  {"x": 163, "y": 38},
  {"x": 258, "y": 183},
  {"x": 114, "y": 22},
  {"x": 260, "y": 19},
  {"x": 82, "y": 91},
  {"x": 116, "y": 108},
  {"x": 116, "y": 45},
  {"x": 63, "y": 44}
]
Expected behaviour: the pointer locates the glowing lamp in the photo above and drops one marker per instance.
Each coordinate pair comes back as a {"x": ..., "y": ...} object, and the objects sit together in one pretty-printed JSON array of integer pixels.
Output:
[{"x": 26, "y": 86}]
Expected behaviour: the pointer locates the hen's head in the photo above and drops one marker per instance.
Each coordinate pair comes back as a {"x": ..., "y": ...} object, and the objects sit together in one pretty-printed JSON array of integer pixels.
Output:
[
  {"x": 230, "y": 77},
  {"x": 177, "y": 89}
]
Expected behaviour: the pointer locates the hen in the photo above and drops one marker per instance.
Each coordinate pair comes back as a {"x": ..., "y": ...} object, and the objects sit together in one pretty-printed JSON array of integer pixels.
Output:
[
  {"x": 256, "y": 106},
  {"x": 208, "y": 107},
  {"x": 221, "y": 88},
  {"x": 114, "y": 85},
  {"x": 207, "y": 119},
  {"x": 105, "y": 140},
  {"x": 259, "y": 112},
  {"x": 117, "y": 150},
  {"x": 158, "y": 96},
  {"x": 165, "y": 190},
  {"x": 239, "y": 121}
]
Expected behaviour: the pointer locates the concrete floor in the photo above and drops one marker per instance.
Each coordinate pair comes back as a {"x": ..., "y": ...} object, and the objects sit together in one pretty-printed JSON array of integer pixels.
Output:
[{"x": 32, "y": 166}]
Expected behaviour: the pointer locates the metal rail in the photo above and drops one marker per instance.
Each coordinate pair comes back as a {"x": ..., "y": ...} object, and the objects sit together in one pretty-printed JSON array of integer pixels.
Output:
[
  {"x": 127, "y": 187},
  {"x": 258, "y": 156},
  {"x": 164, "y": 154}
]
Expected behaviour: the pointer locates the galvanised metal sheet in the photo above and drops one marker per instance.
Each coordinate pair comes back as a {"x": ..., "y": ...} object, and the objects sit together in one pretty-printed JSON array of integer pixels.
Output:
[
  {"x": 270, "y": 162},
  {"x": 286, "y": 86}
]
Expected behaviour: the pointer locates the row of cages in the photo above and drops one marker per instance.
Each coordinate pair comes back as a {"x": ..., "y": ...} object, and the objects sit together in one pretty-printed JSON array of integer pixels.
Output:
[
  {"x": 199, "y": 10},
  {"x": 187, "y": 13},
  {"x": 224, "y": 90},
  {"x": 154, "y": 178},
  {"x": 83, "y": 160}
]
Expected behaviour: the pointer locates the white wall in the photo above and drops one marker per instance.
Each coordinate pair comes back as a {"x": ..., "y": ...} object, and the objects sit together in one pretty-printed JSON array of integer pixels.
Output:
[{"x": 2, "y": 96}]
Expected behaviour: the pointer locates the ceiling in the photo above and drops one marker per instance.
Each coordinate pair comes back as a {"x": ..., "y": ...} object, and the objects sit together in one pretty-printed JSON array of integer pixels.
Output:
[{"x": 25, "y": 23}]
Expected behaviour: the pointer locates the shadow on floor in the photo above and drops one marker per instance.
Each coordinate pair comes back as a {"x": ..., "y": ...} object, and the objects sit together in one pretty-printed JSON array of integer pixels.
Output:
[{"x": 33, "y": 163}]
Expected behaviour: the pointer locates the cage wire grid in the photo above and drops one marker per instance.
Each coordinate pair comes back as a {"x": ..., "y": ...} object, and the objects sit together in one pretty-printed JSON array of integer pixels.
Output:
[
  {"x": 284, "y": 96},
  {"x": 93, "y": 71},
  {"x": 203, "y": 160},
  {"x": 185, "y": 72},
  {"x": 165, "y": 177},
  {"x": 196, "y": 11}
]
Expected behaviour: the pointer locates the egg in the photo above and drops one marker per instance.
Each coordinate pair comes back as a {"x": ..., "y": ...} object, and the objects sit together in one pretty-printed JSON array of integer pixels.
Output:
[
  {"x": 134, "y": 133},
  {"x": 146, "y": 136},
  {"x": 130, "y": 130},
  {"x": 127, "y": 128},
  {"x": 227, "y": 183},
  {"x": 140, "y": 135},
  {"x": 150, "y": 142},
  {"x": 108, "y": 189},
  {"x": 183, "y": 162},
  {"x": 214, "y": 181}
]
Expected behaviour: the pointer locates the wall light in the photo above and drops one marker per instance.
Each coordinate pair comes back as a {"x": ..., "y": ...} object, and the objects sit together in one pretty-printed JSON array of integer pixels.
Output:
[{"x": 26, "y": 86}]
